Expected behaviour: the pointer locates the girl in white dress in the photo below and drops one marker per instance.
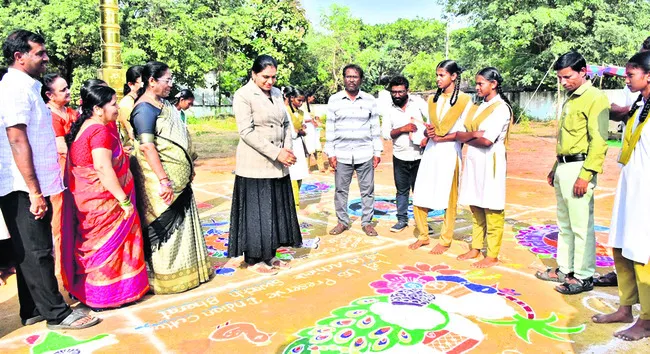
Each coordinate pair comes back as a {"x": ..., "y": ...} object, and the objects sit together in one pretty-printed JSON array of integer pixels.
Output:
[
  {"x": 436, "y": 185},
  {"x": 312, "y": 139},
  {"x": 629, "y": 235},
  {"x": 483, "y": 182},
  {"x": 294, "y": 98}
]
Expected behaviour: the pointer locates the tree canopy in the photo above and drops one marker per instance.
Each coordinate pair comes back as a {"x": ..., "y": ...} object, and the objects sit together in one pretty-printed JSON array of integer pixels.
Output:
[{"x": 195, "y": 37}]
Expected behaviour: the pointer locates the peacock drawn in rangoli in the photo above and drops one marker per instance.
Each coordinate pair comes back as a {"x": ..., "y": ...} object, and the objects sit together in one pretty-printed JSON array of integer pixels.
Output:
[{"x": 424, "y": 309}]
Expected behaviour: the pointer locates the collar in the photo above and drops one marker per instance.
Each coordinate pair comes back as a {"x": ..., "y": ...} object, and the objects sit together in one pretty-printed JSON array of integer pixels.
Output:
[
  {"x": 344, "y": 95},
  {"x": 23, "y": 77},
  {"x": 256, "y": 90},
  {"x": 582, "y": 89}
]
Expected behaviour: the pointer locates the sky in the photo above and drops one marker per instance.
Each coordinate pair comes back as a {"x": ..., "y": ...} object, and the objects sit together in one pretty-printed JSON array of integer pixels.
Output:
[{"x": 376, "y": 11}]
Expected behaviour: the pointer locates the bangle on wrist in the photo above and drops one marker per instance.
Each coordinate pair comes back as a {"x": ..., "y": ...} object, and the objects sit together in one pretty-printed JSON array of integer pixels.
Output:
[
  {"x": 126, "y": 202},
  {"x": 166, "y": 182},
  {"x": 35, "y": 195}
]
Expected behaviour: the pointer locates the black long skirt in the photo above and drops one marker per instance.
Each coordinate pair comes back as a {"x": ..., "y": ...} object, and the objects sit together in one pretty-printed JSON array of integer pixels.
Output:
[{"x": 262, "y": 218}]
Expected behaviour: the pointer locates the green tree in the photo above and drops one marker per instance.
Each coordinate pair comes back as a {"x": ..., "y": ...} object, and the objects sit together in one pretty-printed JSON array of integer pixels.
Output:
[{"x": 523, "y": 38}]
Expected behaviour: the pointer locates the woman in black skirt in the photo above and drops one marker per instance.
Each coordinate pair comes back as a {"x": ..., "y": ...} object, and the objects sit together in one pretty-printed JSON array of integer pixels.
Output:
[{"x": 263, "y": 215}]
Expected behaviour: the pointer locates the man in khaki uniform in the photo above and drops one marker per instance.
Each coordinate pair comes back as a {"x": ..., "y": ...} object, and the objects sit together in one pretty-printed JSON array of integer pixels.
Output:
[{"x": 581, "y": 149}]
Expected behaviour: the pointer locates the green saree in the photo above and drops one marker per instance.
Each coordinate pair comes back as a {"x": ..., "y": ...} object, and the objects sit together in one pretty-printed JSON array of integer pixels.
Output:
[{"x": 175, "y": 248}]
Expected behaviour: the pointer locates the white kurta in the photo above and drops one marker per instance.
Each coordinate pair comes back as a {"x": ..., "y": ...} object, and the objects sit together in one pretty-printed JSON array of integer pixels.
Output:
[
  {"x": 628, "y": 230},
  {"x": 300, "y": 169},
  {"x": 436, "y": 172},
  {"x": 4, "y": 233},
  {"x": 483, "y": 181},
  {"x": 312, "y": 139}
]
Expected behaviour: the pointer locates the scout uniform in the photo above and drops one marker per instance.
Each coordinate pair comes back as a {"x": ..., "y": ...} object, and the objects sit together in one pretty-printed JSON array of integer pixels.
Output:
[{"x": 581, "y": 149}]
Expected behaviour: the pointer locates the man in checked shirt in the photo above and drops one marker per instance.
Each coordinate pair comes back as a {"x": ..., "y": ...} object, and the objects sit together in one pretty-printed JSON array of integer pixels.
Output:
[{"x": 353, "y": 143}]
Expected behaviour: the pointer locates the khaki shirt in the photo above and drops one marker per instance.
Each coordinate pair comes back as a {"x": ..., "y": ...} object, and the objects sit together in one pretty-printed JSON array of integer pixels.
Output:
[
  {"x": 583, "y": 128},
  {"x": 264, "y": 129}
]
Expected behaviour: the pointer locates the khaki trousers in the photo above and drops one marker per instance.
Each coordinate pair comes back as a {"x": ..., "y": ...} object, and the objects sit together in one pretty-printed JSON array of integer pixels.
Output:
[
  {"x": 487, "y": 223},
  {"x": 633, "y": 283}
]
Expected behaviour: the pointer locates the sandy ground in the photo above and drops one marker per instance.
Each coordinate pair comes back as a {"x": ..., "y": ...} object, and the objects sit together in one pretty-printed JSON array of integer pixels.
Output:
[{"x": 352, "y": 293}]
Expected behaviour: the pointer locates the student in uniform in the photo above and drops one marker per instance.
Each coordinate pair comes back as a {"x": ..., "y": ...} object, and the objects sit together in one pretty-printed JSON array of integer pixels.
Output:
[
  {"x": 436, "y": 185},
  {"x": 483, "y": 182},
  {"x": 629, "y": 236},
  {"x": 294, "y": 98},
  {"x": 312, "y": 140}
]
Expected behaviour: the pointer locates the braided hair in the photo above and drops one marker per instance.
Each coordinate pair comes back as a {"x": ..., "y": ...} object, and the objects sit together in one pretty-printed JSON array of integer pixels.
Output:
[
  {"x": 641, "y": 61},
  {"x": 451, "y": 67},
  {"x": 492, "y": 74},
  {"x": 293, "y": 92},
  {"x": 95, "y": 96}
]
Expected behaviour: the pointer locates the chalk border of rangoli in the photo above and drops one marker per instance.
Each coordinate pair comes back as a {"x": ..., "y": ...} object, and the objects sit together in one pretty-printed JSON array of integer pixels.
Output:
[
  {"x": 408, "y": 287},
  {"x": 535, "y": 239},
  {"x": 382, "y": 213},
  {"x": 216, "y": 230}
]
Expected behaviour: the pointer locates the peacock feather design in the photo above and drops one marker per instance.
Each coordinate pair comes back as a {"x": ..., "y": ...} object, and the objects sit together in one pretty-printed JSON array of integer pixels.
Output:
[{"x": 359, "y": 328}]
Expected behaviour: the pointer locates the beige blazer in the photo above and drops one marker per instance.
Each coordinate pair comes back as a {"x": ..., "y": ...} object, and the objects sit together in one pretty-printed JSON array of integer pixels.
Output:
[{"x": 264, "y": 129}]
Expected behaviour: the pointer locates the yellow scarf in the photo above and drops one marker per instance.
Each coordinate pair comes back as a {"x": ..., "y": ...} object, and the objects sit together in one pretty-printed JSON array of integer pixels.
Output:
[
  {"x": 631, "y": 138},
  {"x": 443, "y": 125},
  {"x": 472, "y": 123},
  {"x": 297, "y": 118}
]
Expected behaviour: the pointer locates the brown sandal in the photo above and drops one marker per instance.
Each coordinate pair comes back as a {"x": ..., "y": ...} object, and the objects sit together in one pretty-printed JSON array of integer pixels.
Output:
[{"x": 338, "y": 229}]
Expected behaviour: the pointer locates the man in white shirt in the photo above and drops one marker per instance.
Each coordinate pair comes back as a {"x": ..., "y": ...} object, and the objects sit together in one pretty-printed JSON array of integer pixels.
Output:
[
  {"x": 400, "y": 122},
  {"x": 29, "y": 174}
]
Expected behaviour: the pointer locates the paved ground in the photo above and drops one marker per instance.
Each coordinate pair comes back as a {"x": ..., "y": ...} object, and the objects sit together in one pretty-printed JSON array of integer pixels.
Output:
[{"x": 352, "y": 293}]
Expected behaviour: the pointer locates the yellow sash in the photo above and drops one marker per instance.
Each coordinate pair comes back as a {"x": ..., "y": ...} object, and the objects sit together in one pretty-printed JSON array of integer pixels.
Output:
[
  {"x": 472, "y": 124},
  {"x": 444, "y": 125},
  {"x": 631, "y": 138},
  {"x": 297, "y": 118}
]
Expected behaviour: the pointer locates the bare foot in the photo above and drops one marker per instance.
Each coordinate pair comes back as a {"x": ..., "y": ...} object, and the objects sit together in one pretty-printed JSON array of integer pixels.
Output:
[
  {"x": 622, "y": 315},
  {"x": 439, "y": 249},
  {"x": 473, "y": 253},
  {"x": 417, "y": 244},
  {"x": 486, "y": 262},
  {"x": 639, "y": 330}
]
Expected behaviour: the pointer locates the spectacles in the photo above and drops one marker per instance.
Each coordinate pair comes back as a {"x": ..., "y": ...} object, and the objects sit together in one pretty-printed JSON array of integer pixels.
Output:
[
  {"x": 169, "y": 81},
  {"x": 398, "y": 93}
]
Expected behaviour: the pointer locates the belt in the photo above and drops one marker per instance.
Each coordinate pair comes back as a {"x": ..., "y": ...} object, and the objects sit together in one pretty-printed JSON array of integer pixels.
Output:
[{"x": 571, "y": 158}]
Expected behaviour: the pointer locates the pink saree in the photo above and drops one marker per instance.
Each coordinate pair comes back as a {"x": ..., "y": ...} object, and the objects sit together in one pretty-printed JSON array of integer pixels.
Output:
[{"x": 103, "y": 258}]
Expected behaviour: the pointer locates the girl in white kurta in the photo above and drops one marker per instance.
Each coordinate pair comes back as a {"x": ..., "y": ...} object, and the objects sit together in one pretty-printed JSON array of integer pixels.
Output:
[
  {"x": 299, "y": 170},
  {"x": 314, "y": 146},
  {"x": 436, "y": 185},
  {"x": 4, "y": 235},
  {"x": 629, "y": 234},
  {"x": 483, "y": 182}
]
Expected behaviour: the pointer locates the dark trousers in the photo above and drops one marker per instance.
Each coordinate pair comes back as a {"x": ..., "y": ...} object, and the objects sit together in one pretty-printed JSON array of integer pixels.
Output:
[
  {"x": 38, "y": 290},
  {"x": 404, "y": 173}
]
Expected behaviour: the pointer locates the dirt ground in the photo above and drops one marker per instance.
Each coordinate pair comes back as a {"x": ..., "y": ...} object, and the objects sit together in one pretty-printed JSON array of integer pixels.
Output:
[{"x": 354, "y": 294}]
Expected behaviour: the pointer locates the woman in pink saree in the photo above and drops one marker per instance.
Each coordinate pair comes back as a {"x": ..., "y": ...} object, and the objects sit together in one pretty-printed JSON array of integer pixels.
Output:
[{"x": 103, "y": 258}]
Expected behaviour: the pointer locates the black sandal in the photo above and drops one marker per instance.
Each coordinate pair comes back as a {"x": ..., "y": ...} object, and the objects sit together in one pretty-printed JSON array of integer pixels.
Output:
[
  {"x": 609, "y": 279},
  {"x": 576, "y": 288},
  {"x": 546, "y": 275}
]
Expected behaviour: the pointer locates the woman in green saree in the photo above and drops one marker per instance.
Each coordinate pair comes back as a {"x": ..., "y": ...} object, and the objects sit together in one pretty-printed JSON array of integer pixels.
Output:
[{"x": 163, "y": 169}]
